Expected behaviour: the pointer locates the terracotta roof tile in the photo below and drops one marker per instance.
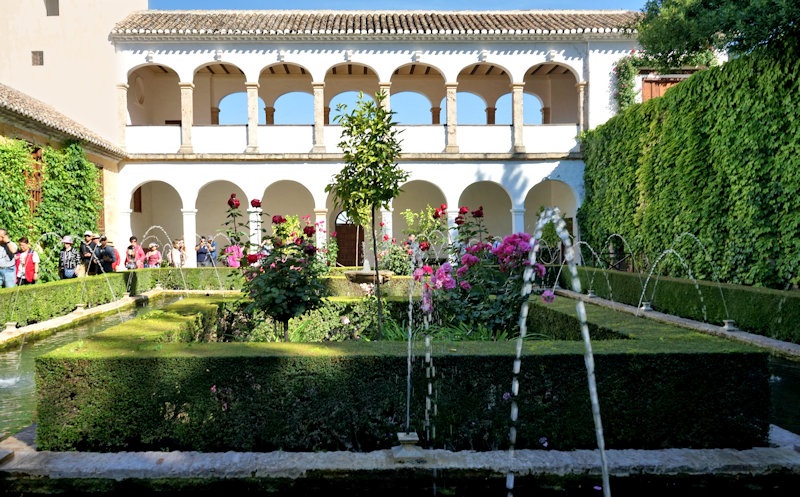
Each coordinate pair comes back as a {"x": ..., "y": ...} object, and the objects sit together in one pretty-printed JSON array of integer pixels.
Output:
[
  {"x": 317, "y": 23},
  {"x": 26, "y": 108}
]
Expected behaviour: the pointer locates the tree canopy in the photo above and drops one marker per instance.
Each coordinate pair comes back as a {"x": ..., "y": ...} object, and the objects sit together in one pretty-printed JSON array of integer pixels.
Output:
[{"x": 672, "y": 31}]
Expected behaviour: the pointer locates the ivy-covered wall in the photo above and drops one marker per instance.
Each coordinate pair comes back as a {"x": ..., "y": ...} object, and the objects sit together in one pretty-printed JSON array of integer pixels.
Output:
[
  {"x": 71, "y": 198},
  {"x": 717, "y": 156}
]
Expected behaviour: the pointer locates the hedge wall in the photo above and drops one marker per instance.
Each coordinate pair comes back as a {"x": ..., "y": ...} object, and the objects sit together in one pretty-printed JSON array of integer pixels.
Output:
[{"x": 717, "y": 156}]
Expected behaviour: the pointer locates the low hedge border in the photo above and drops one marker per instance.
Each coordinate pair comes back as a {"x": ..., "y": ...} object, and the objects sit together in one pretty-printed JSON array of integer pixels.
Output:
[{"x": 762, "y": 311}]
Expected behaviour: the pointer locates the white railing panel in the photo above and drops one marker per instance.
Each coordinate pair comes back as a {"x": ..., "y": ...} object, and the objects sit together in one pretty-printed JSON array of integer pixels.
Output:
[
  {"x": 152, "y": 139},
  {"x": 551, "y": 138},
  {"x": 484, "y": 139},
  {"x": 219, "y": 139},
  {"x": 333, "y": 135},
  {"x": 286, "y": 139},
  {"x": 421, "y": 139}
]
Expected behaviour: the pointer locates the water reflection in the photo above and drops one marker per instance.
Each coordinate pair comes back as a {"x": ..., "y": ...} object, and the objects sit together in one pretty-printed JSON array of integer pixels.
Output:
[{"x": 17, "y": 385}]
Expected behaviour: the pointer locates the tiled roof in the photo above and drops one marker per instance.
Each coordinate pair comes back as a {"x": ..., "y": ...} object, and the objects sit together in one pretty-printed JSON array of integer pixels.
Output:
[
  {"x": 300, "y": 24},
  {"x": 25, "y": 111}
]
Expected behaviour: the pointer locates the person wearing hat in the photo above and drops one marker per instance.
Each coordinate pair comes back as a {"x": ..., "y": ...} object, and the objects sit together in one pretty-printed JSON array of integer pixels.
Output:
[
  {"x": 94, "y": 261},
  {"x": 86, "y": 252},
  {"x": 69, "y": 259},
  {"x": 152, "y": 257},
  {"x": 104, "y": 258}
]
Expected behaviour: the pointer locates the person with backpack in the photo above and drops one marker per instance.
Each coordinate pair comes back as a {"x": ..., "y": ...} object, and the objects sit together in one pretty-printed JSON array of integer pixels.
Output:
[{"x": 68, "y": 260}]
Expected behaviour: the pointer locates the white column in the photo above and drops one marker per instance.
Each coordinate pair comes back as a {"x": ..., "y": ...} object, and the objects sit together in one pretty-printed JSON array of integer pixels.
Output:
[
  {"x": 122, "y": 114},
  {"x": 254, "y": 222},
  {"x": 321, "y": 238},
  {"x": 451, "y": 142},
  {"x": 517, "y": 219},
  {"x": 385, "y": 88},
  {"x": 187, "y": 117},
  {"x": 452, "y": 214},
  {"x": 190, "y": 235},
  {"x": 319, "y": 117},
  {"x": 252, "y": 118},
  {"x": 581, "y": 106},
  {"x": 517, "y": 116},
  {"x": 124, "y": 229}
]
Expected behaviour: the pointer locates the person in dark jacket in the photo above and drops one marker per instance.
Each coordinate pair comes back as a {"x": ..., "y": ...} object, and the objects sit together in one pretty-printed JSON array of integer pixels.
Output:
[{"x": 104, "y": 255}]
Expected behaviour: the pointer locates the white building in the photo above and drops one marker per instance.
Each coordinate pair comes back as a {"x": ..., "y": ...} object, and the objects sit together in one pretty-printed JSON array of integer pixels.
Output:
[{"x": 154, "y": 84}]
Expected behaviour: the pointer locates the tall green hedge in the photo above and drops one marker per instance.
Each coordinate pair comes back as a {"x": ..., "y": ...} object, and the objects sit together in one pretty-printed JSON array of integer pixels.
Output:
[{"x": 717, "y": 156}]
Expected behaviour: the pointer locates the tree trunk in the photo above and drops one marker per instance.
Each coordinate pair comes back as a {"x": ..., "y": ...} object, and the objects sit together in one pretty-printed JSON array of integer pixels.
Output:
[
  {"x": 377, "y": 277},
  {"x": 285, "y": 326}
]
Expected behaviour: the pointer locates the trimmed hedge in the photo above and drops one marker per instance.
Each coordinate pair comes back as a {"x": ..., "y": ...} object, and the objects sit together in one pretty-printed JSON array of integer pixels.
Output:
[{"x": 661, "y": 387}]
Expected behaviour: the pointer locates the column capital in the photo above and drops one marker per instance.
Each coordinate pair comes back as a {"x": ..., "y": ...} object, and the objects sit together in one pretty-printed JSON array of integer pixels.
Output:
[
  {"x": 188, "y": 211},
  {"x": 251, "y": 84},
  {"x": 186, "y": 85},
  {"x": 517, "y": 86},
  {"x": 317, "y": 85},
  {"x": 581, "y": 85}
]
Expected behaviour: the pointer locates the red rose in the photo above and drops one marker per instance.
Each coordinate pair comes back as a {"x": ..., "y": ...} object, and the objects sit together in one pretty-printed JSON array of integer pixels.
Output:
[
  {"x": 309, "y": 231},
  {"x": 459, "y": 220},
  {"x": 478, "y": 212},
  {"x": 255, "y": 203},
  {"x": 424, "y": 245},
  {"x": 233, "y": 202},
  {"x": 443, "y": 207},
  {"x": 252, "y": 258},
  {"x": 463, "y": 210},
  {"x": 276, "y": 219}
]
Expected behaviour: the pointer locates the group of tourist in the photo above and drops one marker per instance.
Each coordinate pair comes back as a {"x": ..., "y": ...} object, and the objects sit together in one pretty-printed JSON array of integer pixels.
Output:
[{"x": 96, "y": 254}]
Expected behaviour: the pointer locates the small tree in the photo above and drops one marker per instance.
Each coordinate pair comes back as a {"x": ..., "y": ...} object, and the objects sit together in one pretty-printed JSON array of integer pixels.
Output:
[{"x": 371, "y": 176}]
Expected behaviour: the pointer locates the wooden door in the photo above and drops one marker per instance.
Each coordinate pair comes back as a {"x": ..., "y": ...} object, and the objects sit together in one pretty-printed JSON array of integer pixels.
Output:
[{"x": 350, "y": 238}]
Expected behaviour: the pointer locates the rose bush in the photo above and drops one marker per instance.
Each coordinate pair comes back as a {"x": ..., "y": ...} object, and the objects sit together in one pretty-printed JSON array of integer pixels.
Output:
[
  {"x": 481, "y": 286},
  {"x": 282, "y": 277}
]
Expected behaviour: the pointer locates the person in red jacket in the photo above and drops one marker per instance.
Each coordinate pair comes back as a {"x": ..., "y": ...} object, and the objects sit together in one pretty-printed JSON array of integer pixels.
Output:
[
  {"x": 26, "y": 262},
  {"x": 117, "y": 259}
]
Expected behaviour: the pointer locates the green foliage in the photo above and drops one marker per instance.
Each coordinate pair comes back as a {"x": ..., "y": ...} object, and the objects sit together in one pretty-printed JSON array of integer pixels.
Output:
[
  {"x": 370, "y": 177},
  {"x": 716, "y": 157},
  {"x": 71, "y": 197},
  {"x": 674, "y": 30},
  {"x": 15, "y": 162}
]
